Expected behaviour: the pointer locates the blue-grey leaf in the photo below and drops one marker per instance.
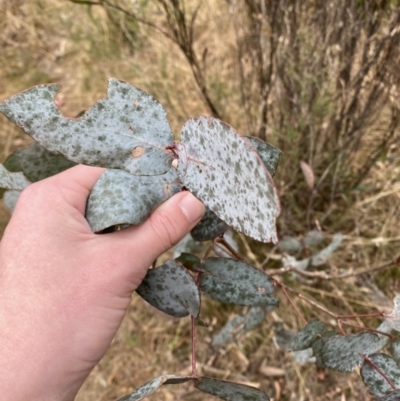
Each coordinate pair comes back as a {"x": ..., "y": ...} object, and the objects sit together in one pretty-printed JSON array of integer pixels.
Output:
[
  {"x": 307, "y": 335},
  {"x": 153, "y": 385},
  {"x": 37, "y": 163},
  {"x": 283, "y": 338},
  {"x": 304, "y": 356},
  {"x": 230, "y": 391},
  {"x": 10, "y": 199},
  {"x": 239, "y": 325},
  {"x": 318, "y": 345},
  {"x": 122, "y": 198},
  {"x": 377, "y": 384},
  {"x": 269, "y": 154},
  {"x": 171, "y": 289},
  {"x": 128, "y": 130},
  {"x": 391, "y": 396},
  {"x": 8, "y": 180},
  {"x": 190, "y": 261},
  {"x": 11, "y": 164},
  {"x": 395, "y": 350},
  {"x": 236, "y": 282},
  {"x": 313, "y": 238},
  {"x": 289, "y": 244},
  {"x": 209, "y": 227},
  {"x": 222, "y": 169},
  {"x": 344, "y": 353}
]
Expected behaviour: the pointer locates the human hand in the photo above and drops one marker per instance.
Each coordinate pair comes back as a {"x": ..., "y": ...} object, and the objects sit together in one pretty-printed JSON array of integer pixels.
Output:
[{"x": 64, "y": 290}]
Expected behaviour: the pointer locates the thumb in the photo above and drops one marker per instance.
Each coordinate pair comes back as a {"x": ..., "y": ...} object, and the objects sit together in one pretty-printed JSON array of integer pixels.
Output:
[{"x": 165, "y": 227}]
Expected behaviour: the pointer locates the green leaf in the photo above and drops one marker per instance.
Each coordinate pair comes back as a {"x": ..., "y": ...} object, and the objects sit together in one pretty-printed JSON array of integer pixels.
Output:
[
  {"x": 222, "y": 170},
  {"x": 344, "y": 353},
  {"x": 128, "y": 130},
  {"x": 209, "y": 227},
  {"x": 239, "y": 325},
  {"x": 307, "y": 335},
  {"x": 10, "y": 199},
  {"x": 374, "y": 380},
  {"x": 191, "y": 262},
  {"x": 236, "y": 282},
  {"x": 153, "y": 385},
  {"x": 269, "y": 154},
  {"x": 8, "y": 180},
  {"x": 229, "y": 391},
  {"x": 171, "y": 289},
  {"x": 11, "y": 164},
  {"x": 38, "y": 163},
  {"x": 122, "y": 198}
]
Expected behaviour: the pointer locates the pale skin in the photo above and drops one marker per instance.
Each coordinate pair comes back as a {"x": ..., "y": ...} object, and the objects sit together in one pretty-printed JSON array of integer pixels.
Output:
[{"x": 65, "y": 290}]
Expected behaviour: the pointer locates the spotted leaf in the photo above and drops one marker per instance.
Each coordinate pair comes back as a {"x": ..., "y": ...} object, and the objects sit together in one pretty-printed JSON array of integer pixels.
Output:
[
  {"x": 230, "y": 391},
  {"x": 344, "y": 353},
  {"x": 128, "y": 130},
  {"x": 222, "y": 169},
  {"x": 37, "y": 163},
  {"x": 209, "y": 227},
  {"x": 122, "y": 198},
  {"x": 372, "y": 378},
  {"x": 307, "y": 335},
  {"x": 269, "y": 154},
  {"x": 9, "y": 180},
  {"x": 153, "y": 385},
  {"x": 171, "y": 289},
  {"x": 236, "y": 282}
]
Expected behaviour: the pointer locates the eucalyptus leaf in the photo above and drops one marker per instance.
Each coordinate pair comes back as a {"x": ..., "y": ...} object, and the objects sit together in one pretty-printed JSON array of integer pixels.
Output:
[
  {"x": 344, "y": 353},
  {"x": 304, "y": 356},
  {"x": 391, "y": 396},
  {"x": 190, "y": 261},
  {"x": 122, "y": 198},
  {"x": 313, "y": 238},
  {"x": 222, "y": 170},
  {"x": 318, "y": 345},
  {"x": 395, "y": 350},
  {"x": 289, "y": 244},
  {"x": 239, "y": 325},
  {"x": 307, "y": 335},
  {"x": 229, "y": 391},
  {"x": 11, "y": 164},
  {"x": 9, "y": 180},
  {"x": 282, "y": 337},
  {"x": 209, "y": 227},
  {"x": 171, "y": 289},
  {"x": 377, "y": 384},
  {"x": 236, "y": 282},
  {"x": 153, "y": 385},
  {"x": 128, "y": 130},
  {"x": 269, "y": 154},
  {"x": 10, "y": 199},
  {"x": 393, "y": 318},
  {"x": 37, "y": 163}
]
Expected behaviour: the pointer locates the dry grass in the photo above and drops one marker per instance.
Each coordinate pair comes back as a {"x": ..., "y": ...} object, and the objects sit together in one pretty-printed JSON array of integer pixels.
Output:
[{"x": 48, "y": 41}]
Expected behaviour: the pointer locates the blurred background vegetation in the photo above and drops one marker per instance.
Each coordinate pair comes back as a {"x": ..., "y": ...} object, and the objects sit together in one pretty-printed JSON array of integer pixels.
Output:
[{"x": 319, "y": 79}]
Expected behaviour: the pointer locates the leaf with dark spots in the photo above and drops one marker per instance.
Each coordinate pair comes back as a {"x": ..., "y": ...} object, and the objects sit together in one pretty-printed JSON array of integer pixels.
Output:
[
  {"x": 229, "y": 391},
  {"x": 307, "y": 335},
  {"x": 209, "y": 227},
  {"x": 372, "y": 378},
  {"x": 11, "y": 164},
  {"x": 318, "y": 345},
  {"x": 390, "y": 396},
  {"x": 221, "y": 168},
  {"x": 106, "y": 135},
  {"x": 344, "y": 353},
  {"x": 395, "y": 350},
  {"x": 236, "y": 282},
  {"x": 171, "y": 289},
  {"x": 37, "y": 163},
  {"x": 122, "y": 198},
  {"x": 269, "y": 154},
  {"x": 153, "y": 385},
  {"x": 16, "y": 181}
]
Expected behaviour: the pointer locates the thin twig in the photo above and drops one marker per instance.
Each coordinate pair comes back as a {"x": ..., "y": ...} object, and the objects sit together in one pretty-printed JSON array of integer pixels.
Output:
[{"x": 377, "y": 368}]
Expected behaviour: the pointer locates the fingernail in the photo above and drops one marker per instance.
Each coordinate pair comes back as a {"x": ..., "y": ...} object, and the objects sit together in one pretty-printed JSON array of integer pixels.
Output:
[{"x": 192, "y": 208}]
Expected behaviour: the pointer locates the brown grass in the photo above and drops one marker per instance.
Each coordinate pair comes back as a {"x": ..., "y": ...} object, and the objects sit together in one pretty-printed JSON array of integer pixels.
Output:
[{"x": 50, "y": 41}]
